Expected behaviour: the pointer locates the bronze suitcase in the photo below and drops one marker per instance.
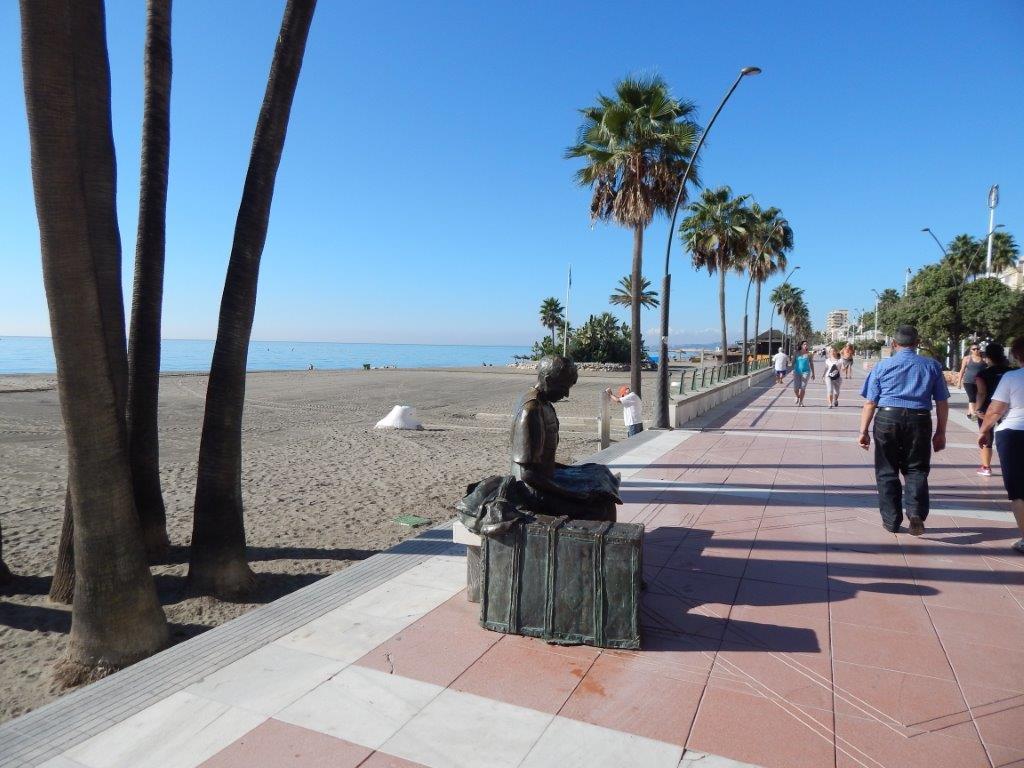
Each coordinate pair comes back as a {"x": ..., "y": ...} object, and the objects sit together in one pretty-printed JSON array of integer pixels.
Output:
[{"x": 565, "y": 581}]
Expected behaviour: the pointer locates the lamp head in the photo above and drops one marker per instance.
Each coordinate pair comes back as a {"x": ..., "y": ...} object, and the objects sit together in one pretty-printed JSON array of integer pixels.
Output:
[
  {"x": 750, "y": 71},
  {"x": 926, "y": 229}
]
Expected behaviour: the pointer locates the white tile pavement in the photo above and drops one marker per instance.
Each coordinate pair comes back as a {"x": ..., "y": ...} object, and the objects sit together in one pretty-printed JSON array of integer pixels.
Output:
[
  {"x": 637, "y": 459},
  {"x": 446, "y": 572},
  {"x": 361, "y": 705},
  {"x": 342, "y": 634},
  {"x": 268, "y": 680},
  {"x": 402, "y": 600},
  {"x": 574, "y": 744},
  {"x": 461, "y": 730},
  {"x": 181, "y": 731}
]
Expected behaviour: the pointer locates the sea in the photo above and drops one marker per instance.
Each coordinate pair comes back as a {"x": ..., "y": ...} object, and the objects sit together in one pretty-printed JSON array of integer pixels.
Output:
[{"x": 34, "y": 354}]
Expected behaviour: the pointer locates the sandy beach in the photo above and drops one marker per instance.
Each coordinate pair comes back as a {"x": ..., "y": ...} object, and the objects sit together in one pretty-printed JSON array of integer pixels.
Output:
[{"x": 321, "y": 486}]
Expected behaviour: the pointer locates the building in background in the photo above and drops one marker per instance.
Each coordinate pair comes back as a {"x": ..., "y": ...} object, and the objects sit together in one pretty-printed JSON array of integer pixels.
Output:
[
  {"x": 1013, "y": 276},
  {"x": 837, "y": 324}
]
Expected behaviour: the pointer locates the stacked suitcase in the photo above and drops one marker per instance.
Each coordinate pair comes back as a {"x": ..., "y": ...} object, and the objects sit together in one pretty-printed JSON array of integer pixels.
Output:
[{"x": 566, "y": 581}]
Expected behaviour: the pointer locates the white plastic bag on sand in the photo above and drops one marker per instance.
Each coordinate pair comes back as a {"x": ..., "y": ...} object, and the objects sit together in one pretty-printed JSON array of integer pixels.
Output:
[{"x": 401, "y": 417}]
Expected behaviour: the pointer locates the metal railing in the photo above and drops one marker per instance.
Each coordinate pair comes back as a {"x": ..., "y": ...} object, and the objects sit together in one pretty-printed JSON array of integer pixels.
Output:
[
  {"x": 691, "y": 380},
  {"x": 696, "y": 379}
]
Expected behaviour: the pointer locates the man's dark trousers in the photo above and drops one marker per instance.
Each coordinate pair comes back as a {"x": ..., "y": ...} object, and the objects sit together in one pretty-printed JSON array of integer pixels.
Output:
[{"x": 903, "y": 444}]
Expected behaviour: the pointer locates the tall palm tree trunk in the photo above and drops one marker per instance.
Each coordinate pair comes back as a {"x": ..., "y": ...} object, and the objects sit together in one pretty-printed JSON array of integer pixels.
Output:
[
  {"x": 218, "y": 561},
  {"x": 721, "y": 312},
  {"x": 757, "y": 320},
  {"x": 147, "y": 295},
  {"x": 116, "y": 618},
  {"x": 635, "y": 344},
  {"x": 62, "y": 585},
  {"x": 552, "y": 337}
]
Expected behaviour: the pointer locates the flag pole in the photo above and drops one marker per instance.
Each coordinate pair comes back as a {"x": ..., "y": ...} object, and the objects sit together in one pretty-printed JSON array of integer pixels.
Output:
[{"x": 565, "y": 330}]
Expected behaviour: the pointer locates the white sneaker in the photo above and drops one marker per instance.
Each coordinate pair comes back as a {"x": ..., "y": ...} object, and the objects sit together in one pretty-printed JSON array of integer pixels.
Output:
[
  {"x": 1018, "y": 546},
  {"x": 985, "y": 471}
]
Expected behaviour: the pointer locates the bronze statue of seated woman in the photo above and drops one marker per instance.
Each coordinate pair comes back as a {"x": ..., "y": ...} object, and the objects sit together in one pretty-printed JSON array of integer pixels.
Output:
[{"x": 537, "y": 483}]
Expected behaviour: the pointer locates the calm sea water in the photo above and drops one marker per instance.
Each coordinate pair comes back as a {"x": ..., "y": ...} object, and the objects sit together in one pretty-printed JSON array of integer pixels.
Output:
[{"x": 32, "y": 354}]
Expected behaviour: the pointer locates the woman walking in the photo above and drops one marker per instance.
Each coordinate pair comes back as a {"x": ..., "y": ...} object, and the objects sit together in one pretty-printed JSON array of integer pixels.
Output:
[
  {"x": 833, "y": 378},
  {"x": 1007, "y": 410},
  {"x": 970, "y": 367},
  {"x": 803, "y": 367},
  {"x": 847, "y": 358},
  {"x": 986, "y": 384}
]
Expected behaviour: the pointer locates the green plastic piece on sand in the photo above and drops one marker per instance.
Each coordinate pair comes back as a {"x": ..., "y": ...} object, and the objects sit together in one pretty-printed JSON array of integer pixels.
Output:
[{"x": 413, "y": 521}]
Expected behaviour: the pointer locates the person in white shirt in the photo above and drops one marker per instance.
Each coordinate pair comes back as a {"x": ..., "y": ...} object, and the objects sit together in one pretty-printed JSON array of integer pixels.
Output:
[
  {"x": 781, "y": 361},
  {"x": 833, "y": 378},
  {"x": 1007, "y": 411},
  {"x": 632, "y": 409}
]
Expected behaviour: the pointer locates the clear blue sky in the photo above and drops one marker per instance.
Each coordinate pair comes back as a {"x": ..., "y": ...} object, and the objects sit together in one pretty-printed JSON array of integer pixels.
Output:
[{"x": 423, "y": 196}]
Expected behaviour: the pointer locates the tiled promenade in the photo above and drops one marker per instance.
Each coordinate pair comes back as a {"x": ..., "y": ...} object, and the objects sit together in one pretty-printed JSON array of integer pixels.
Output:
[{"x": 783, "y": 628}]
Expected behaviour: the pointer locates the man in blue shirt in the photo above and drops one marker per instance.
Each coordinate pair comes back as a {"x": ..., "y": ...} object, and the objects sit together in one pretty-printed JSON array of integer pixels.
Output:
[{"x": 899, "y": 393}]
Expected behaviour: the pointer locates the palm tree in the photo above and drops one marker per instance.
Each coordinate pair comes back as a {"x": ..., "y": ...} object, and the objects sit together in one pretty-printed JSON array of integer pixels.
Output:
[
  {"x": 144, "y": 337},
  {"x": 771, "y": 238},
  {"x": 966, "y": 255},
  {"x": 784, "y": 298},
  {"x": 635, "y": 146},
  {"x": 218, "y": 565},
  {"x": 147, "y": 295},
  {"x": 1005, "y": 252},
  {"x": 552, "y": 315},
  {"x": 623, "y": 295},
  {"x": 800, "y": 318},
  {"x": 116, "y": 617},
  {"x": 717, "y": 232}
]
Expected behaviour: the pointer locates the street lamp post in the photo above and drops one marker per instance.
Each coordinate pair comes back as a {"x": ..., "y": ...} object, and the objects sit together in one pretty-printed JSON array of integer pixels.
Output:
[
  {"x": 877, "y": 299},
  {"x": 993, "y": 201},
  {"x": 746, "y": 301},
  {"x": 661, "y": 417},
  {"x": 771, "y": 318},
  {"x": 937, "y": 241}
]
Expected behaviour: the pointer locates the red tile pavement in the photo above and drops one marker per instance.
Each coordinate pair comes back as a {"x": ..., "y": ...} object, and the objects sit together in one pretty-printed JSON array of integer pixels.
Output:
[
  {"x": 782, "y": 626},
  {"x": 437, "y": 648},
  {"x": 755, "y": 729},
  {"x": 626, "y": 694},
  {"x": 279, "y": 745},
  {"x": 529, "y": 675}
]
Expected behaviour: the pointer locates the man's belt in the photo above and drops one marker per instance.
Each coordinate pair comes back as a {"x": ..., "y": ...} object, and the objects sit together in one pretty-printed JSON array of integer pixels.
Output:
[{"x": 915, "y": 411}]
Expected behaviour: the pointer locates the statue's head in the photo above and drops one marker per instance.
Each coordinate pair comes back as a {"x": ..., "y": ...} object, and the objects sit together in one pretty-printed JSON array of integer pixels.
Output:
[{"x": 555, "y": 377}]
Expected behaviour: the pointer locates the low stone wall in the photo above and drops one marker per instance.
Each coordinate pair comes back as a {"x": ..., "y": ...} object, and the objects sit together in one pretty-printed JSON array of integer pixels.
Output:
[{"x": 690, "y": 405}]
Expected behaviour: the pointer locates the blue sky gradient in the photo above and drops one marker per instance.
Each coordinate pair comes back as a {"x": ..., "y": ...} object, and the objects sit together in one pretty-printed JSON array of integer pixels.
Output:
[{"x": 423, "y": 196}]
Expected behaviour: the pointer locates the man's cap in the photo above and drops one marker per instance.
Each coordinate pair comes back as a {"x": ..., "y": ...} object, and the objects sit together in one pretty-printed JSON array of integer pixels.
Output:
[
  {"x": 623, "y": 391},
  {"x": 906, "y": 336}
]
